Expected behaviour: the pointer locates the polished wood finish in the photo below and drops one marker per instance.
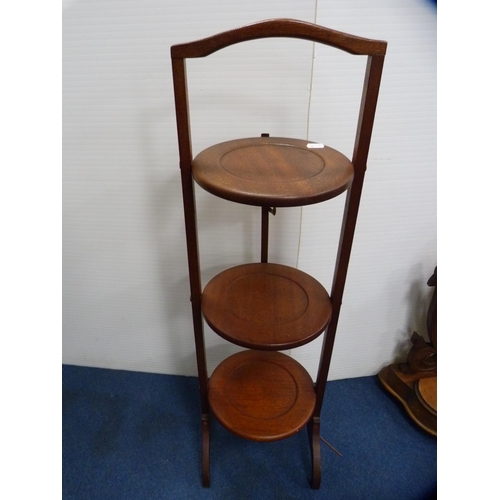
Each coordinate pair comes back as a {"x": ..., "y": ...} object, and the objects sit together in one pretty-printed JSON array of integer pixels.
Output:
[
  {"x": 414, "y": 383},
  {"x": 263, "y": 396},
  {"x": 313, "y": 431},
  {"x": 273, "y": 28},
  {"x": 264, "y": 235},
  {"x": 373, "y": 75},
  {"x": 205, "y": 451},
  {"x": 426, "y": 390},
  {"x": 270, "y": 172},
  {"x": 405, "y": 389},
  {"x": 266, "y": 306}
]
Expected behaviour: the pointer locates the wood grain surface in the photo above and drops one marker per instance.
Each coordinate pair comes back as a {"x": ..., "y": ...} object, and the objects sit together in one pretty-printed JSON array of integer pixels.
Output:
[
  {"x": 266, "y": 306},
  {"x": 273, "y": 171},
  {"x": 263, "y": 396}
]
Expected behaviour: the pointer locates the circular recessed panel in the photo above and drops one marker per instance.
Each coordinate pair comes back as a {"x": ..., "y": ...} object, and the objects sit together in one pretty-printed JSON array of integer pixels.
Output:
[
  {"x": 266, "y": 306},
  {"x": 252, "y": 400},
  {"x": 254, "y": 163},
  {"x": 278, "y": 299},
  {"x": 264, "y": 396},
  {"x": 273, "y": 171}
]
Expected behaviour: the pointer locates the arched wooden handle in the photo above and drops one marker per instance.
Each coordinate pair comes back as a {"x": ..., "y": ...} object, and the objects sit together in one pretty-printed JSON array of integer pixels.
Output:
[{"x": 287, "y": 28}]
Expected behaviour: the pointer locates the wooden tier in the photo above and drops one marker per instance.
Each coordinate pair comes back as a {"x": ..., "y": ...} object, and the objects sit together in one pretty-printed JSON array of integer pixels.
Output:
[
  {"x": 263, "y": 396},
  {"x": 273, "y": 171},
  {"x": 266, "y": 306}
]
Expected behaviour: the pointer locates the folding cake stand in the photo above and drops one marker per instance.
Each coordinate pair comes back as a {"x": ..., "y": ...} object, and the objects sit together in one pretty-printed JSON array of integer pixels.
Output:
[{"x": 260, "y": 393}]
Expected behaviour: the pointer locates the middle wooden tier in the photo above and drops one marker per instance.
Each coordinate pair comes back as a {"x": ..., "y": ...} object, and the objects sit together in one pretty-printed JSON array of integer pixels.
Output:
[{"x": 266, "y": 306}]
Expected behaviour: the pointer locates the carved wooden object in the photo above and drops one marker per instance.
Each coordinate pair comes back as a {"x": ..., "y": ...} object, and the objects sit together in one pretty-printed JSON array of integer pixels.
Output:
[{"x": 414, "y": 383}]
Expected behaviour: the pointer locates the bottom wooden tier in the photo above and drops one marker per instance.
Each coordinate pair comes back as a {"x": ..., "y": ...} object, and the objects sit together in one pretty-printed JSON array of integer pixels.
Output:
[{"x": 262, "y": 396}]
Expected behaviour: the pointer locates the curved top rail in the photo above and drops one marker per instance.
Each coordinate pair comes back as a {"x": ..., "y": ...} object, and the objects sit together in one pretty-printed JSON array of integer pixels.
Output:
[{"x": 288, "y": 28}]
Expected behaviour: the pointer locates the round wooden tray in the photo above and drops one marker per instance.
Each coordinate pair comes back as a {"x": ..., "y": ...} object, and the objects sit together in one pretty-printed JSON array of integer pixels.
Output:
[
  {"x": 426, "y": 391},
  {"x": 266, "y": 306},
  {"x": 272, "y": 171},
  {"x": 263, "y": 396}
]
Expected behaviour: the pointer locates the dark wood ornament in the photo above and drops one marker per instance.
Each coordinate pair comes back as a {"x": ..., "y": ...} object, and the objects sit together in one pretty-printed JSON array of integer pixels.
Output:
[{"x": 414, "y": 383}]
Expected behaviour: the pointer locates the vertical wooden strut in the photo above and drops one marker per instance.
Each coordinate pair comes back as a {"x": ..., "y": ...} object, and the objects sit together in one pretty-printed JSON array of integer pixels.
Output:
[
  {"x": 183, "y": 134},
  {"x": 361, "y": 147},
  {"x": 264, "y": 240},
  {"x": 264, "y": 244},
  {"x": 314, "y": 445}
]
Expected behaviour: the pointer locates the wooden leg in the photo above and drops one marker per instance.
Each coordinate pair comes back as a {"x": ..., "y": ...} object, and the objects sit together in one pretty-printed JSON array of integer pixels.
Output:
[
  {"x": 314, "y": 443},
  {"x": 205, "y": 451}
]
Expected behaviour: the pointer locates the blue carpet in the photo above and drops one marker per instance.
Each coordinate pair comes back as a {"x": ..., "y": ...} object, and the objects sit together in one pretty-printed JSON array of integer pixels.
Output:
[{"x": 129, "y": 435}]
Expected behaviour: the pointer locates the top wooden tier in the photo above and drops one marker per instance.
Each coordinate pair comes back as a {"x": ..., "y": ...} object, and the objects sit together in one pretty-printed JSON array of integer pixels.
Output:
[{"x": 273, "y": 171}]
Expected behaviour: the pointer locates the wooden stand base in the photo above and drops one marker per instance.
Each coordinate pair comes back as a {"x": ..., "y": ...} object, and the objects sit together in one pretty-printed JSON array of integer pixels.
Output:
[{"x": 417, "y": 393}]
